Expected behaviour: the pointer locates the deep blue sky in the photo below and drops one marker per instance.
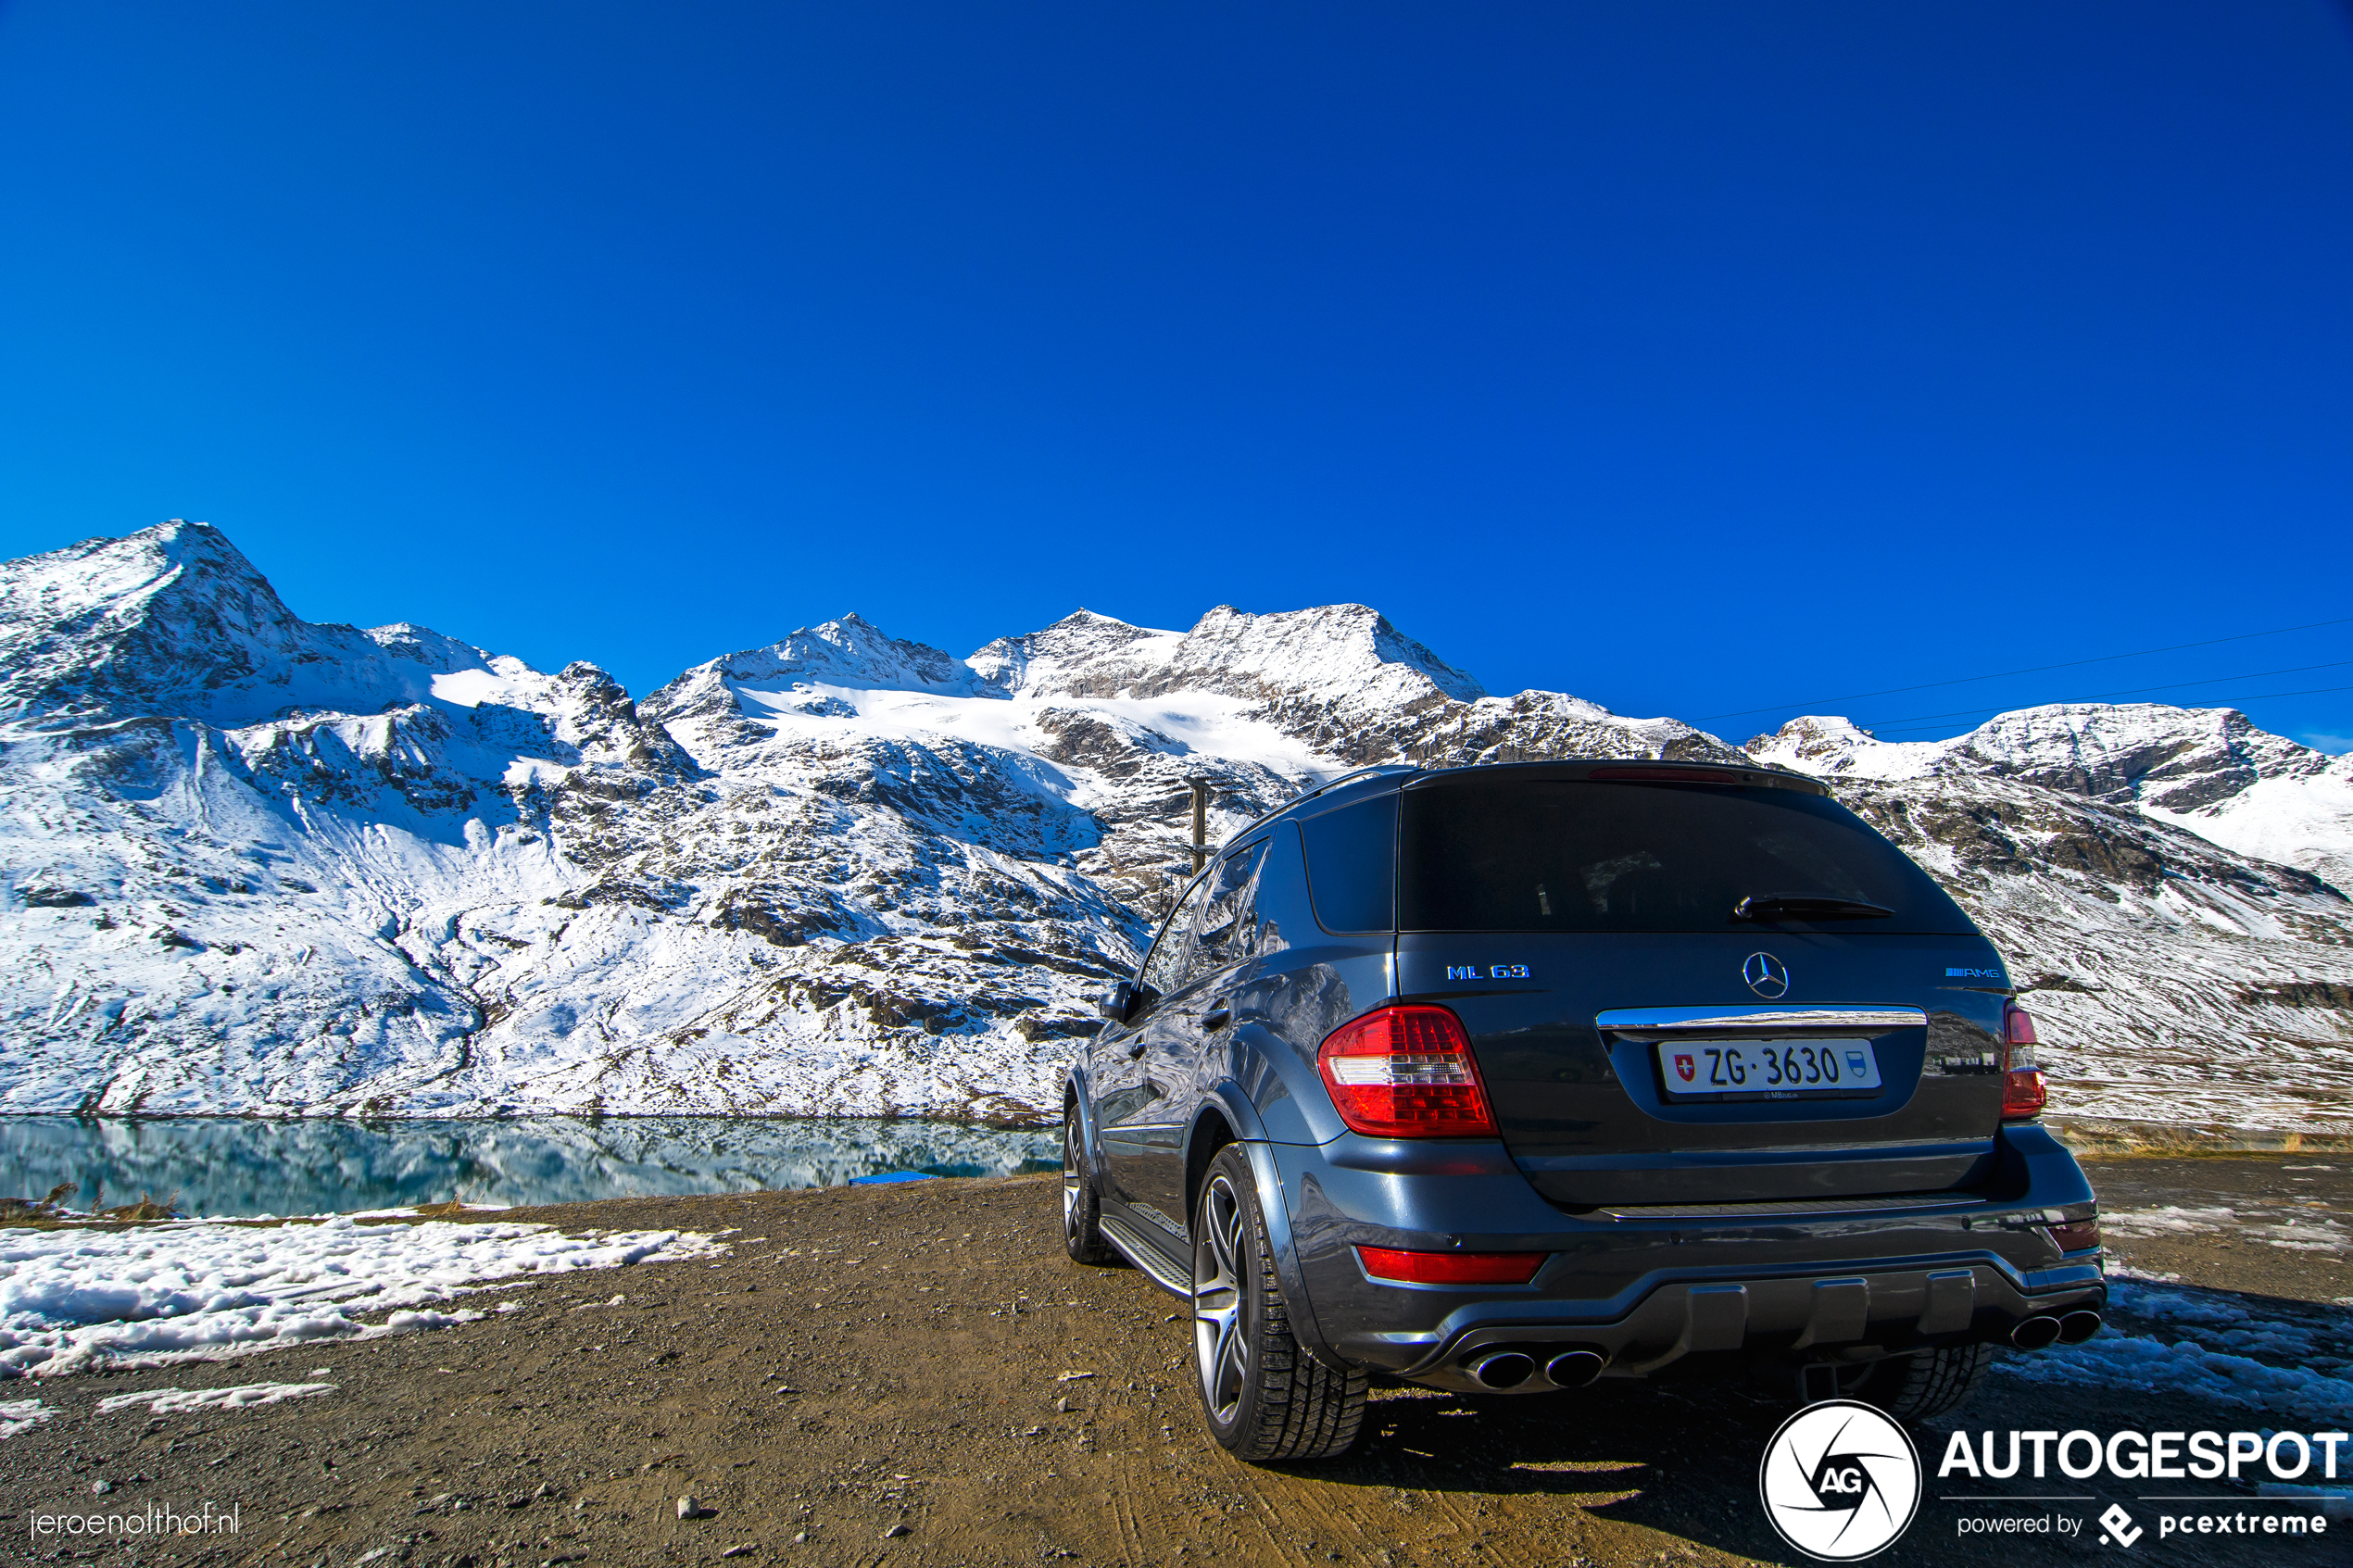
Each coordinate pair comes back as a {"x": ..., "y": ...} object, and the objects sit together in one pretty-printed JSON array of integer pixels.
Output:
[{"x": 1688, "y": 358}]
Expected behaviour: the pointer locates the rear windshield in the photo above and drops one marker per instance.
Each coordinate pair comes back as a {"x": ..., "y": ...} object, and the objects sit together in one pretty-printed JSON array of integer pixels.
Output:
[{"x": 1573, "y": 855}]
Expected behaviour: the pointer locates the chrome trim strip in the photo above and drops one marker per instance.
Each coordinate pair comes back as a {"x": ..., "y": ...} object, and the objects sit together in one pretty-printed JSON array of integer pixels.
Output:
[
  {"x": 1771, "y": 1206},
  {"x": 1139, "y": 1252},
  {"x": 1638, "y": 1020}
]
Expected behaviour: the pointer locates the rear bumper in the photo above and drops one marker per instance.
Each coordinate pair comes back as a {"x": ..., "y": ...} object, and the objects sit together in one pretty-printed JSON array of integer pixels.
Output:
[
  {"x": 1644, "y": 1292},
  {"x": 1841, "y": 1317}
]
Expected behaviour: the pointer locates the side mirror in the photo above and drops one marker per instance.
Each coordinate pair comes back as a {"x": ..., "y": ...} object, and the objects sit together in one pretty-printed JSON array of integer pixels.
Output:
[{"x": 1119, "y": 1002}]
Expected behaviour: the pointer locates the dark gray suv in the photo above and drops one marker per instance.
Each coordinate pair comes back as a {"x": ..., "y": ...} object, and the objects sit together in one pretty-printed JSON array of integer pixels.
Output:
[{"x": 1510, "y": 1078}]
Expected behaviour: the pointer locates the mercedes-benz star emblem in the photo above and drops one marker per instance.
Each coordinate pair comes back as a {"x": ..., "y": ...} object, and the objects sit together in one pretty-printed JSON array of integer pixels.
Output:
[{"x": 1766, "y": 975}]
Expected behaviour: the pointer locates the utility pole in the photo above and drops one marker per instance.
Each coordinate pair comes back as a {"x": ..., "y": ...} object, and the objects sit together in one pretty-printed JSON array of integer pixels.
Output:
[{"x": 1201, "y": 823}]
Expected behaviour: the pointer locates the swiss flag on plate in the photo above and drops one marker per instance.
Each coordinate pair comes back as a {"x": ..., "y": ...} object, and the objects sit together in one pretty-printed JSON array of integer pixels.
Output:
[{"x": 1686, "y": 1068}]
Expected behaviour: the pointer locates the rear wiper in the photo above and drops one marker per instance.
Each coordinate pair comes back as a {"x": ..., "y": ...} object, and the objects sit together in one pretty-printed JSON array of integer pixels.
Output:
[{"x": 1807, "y": 905}]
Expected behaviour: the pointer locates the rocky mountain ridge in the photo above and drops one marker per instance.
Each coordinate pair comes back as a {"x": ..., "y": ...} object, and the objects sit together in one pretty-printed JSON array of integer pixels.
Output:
[
  {"x": 2208, "y": 770},
  {"x": 255, "y": 864}
]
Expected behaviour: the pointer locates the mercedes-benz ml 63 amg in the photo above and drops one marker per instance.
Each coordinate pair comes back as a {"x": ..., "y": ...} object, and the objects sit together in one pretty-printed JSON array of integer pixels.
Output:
[{"x": 1510, "y": 1078}]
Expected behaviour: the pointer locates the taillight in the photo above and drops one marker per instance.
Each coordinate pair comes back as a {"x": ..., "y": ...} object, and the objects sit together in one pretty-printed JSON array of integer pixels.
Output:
[
  {"x": 1406, "y": 1071},
  {"x": 2023, "y": 1094},
  {"x": 1451, "y": 1268}
]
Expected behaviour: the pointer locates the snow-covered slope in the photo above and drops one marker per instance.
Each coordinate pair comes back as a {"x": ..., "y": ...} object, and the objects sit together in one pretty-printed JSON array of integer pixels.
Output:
[{"x": 251, "y": 863}]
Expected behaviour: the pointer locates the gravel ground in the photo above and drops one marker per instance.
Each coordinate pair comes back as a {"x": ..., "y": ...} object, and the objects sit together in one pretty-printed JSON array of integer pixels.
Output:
[{"x": 916, "y": 1374}]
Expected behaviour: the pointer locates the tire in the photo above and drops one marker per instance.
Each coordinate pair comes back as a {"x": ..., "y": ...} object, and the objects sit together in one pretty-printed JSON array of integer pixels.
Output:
[
  {"x": 1926, "y": 1383},
  {"x": 1082, "y": 1205},
  {"x": 1264, "y": 1396}
]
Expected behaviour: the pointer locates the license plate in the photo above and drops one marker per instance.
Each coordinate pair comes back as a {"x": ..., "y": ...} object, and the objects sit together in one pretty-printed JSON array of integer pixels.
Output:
[{"x": 1765, "y": 1069}]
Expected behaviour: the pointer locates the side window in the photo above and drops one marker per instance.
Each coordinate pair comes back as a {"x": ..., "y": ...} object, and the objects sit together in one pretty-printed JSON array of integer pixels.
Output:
[
  {"x": 1352, "y": 866},
  {"x": 1227, "y": 931},
  {"x": 1280, "y": 906},
  {"x": 1165, "y": 970}
]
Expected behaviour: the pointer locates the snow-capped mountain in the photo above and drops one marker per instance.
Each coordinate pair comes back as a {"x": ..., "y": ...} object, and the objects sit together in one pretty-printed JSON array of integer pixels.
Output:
[
  {"x": 2205, "y": 769},
  {"x": 252, "y": 863}
]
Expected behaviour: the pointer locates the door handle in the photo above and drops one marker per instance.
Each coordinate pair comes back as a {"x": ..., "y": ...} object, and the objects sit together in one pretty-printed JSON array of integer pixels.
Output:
[{"x": 1217, "y": 1017}]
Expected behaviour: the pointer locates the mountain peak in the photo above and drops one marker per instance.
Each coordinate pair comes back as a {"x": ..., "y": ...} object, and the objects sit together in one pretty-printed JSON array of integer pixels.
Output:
[
  {"x": 1327, "y": 649},
  {"x": 1346, "y": 653},
  {"x": 852, "y": 651},
  {"x": 849, "y": 652},
  {"x": 172, "y": 618},
  {"x": 1082, "y": 654}
]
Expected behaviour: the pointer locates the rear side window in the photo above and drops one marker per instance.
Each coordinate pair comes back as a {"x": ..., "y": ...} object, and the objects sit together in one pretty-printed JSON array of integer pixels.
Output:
[
  {"x": 1165, "y": 970},
  {"x": 1352, "y": 866},
  {"x": 1574, "y": 855},
  {"x": 1226, "y": 930}
]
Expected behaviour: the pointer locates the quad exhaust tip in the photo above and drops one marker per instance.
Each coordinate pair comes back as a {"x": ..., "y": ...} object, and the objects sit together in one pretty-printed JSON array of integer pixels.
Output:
[
  {"x": 2037, "y": 1332},
  {"x": 2078, "y": 1326},
  {"x": 1505, "y": 1369}
]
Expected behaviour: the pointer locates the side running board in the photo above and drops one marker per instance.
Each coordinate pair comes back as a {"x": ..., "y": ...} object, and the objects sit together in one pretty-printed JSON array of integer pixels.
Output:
[{"x": 1145, "y": 1256}]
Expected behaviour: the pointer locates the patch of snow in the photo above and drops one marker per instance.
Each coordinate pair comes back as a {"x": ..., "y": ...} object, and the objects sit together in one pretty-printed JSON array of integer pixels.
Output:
[
  {"x": 2225, "y": 1353},
  {"x": 72, "y": 1299},
  {"x": 2304, "y": 820},
  {"x": 243, "y": 1396},
  {"x": 22, "y": 1415},
  {"x": 2167, "y": 1219}
]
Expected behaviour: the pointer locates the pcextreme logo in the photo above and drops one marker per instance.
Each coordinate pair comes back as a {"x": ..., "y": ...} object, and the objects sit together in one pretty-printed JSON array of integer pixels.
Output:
[{"x": 1840, "y": 1481}]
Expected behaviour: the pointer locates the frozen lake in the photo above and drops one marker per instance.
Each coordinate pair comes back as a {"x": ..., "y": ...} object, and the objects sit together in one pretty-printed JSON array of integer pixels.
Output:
[{"x": 236, "y": 1166}]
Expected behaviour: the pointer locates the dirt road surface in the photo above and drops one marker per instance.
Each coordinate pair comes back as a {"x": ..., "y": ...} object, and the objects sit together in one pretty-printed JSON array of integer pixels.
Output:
[{"x": 915, "y": 1374}]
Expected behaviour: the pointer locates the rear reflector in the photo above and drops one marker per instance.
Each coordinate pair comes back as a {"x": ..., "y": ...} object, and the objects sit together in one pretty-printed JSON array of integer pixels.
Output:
[
  {"x": 1406, "y": 1071},
  {"x": 1452, "y": 1267},
  {"x": 2076, "y": 1235},
  {"x": 2023, "y": 1092}
]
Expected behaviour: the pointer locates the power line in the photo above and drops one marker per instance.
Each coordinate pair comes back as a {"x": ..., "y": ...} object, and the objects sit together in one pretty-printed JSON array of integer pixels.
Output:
[
  {"x": 2128, "y": 691},
  {"x": 2259, "y": 696},
  {"x": 2036, "y": 669}
]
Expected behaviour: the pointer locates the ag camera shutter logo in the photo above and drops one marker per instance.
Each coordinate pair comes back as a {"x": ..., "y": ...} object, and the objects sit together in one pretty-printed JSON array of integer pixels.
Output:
[{"x": 1840, "y": 1481}]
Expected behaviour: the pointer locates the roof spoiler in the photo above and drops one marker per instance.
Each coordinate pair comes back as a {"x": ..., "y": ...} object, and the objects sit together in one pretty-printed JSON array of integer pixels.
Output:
[{"x": 1630, "y": 768}]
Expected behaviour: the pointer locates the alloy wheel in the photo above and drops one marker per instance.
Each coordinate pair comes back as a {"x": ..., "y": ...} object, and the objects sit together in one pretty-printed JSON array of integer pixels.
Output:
[{"x": 1221, "y": 1343}]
